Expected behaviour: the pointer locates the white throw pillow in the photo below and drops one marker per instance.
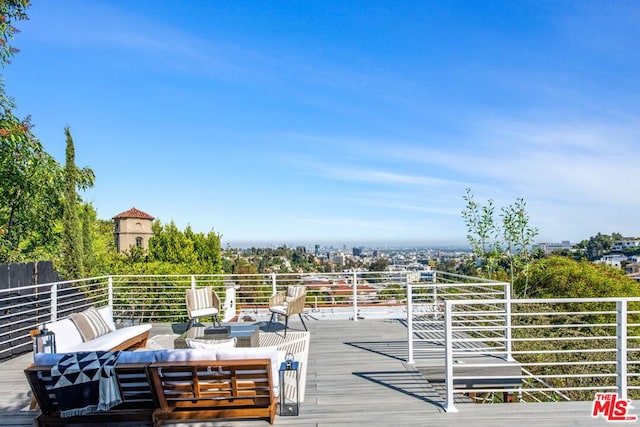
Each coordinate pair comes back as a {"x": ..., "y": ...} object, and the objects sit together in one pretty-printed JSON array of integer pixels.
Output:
[
  {"x": 90, "y": 324},
  {"x": 66, "y": 334},
  {"x": 107, "y": 315}
]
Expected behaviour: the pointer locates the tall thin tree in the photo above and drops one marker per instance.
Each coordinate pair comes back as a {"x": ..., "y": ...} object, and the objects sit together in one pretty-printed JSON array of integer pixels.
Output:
[{"x": 73, "y": 248}]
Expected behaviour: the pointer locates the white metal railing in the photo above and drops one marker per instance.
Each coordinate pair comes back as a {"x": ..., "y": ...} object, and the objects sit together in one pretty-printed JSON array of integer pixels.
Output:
[
  {"x": 161, "y": 298},
  {"x": 425, "y": 308},
  {"x": 23, "y": 309},
  {"x": 557, "y": 349},
  {"x": 538, "y": 350}
]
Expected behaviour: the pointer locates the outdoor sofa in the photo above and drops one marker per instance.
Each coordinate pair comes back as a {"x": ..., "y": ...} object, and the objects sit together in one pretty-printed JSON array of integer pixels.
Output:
[
  {"x": 94, "y": 330},
  {"x": 181, "y": 384}
]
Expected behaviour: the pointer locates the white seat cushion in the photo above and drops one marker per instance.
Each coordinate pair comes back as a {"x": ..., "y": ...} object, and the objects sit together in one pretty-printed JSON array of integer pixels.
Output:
[
  {"x": 203, "y": 312},
  {"x": 146, "y": 356},
  {"x": 279, "y": 309},
  {"x": 185, "y": 355},
  {"x": 108, "y": 341}
]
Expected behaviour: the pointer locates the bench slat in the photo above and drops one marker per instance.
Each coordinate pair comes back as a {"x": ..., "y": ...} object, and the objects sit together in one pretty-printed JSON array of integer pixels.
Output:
[{"x": 214, "y": 389}]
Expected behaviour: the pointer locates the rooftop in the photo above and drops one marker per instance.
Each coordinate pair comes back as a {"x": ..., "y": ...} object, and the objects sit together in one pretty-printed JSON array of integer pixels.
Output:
[
  {"x": 134, "y": 213},
  {"x": 357, "y": 374}
]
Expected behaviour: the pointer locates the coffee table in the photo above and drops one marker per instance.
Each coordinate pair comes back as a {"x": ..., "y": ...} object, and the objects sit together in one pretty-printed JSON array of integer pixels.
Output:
[{"x": 246, "y": 336}]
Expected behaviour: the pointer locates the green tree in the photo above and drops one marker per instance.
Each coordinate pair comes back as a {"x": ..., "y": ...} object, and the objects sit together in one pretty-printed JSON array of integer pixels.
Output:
[
  {"x": 104, "y": 248},
  {"x": 30, "y": 188},
  {"x": 562, "y": 277},
  {"x": 496, "y": 243},
  {"x": 30, "y": 179},
  {"x": 482, "y": 232},
  {"x": 208, "y": 249},
  {"x": 88, "y": 220},
  {"x": 252, "y": 288},
  {"x": 599, "y": 245},
  {"x": 379, "y": 264},
  {"x": 518, "y": 237},
  {"x": 10, "y": 11},
  {"x": 72, "y": 266},
  {"x": 171, "y": 245}
]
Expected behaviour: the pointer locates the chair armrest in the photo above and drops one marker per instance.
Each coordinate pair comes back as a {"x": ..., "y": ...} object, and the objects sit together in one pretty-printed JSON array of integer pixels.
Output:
[
  {"x": 277, "y": 299},
  {"x": 297, "y": 305},
  {"x": 216, "y": 300}
]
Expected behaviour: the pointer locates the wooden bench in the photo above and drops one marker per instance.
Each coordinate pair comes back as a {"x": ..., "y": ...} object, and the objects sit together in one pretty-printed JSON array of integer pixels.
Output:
[
  {"x": 139, "y": 400},
  {"x": 177, "y": 390},
  {"x": 199, "y": 390}
]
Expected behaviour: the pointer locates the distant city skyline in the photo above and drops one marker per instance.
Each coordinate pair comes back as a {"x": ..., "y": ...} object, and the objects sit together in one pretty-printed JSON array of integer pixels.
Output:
[
  {"x": 341, "y": 121},
  {"x": 345, "y": 245}
]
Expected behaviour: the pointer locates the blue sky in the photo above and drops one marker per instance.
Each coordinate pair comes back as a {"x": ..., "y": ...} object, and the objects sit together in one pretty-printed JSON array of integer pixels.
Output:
[{"x": 342, "y": 122}]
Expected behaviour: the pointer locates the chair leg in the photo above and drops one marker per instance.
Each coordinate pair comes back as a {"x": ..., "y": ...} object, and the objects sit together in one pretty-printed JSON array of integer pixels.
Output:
[
  {"x": 270, "y": 322},
  {"x": 216, "y": 320},
  {"x": 302, "y": 320},
  {"x": 286, "y": 325},
  {"x": 190, "y": 323}
]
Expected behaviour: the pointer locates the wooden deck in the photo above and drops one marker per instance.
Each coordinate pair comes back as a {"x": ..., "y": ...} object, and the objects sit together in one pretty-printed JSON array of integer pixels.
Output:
[{"x": 357, "y": 375}]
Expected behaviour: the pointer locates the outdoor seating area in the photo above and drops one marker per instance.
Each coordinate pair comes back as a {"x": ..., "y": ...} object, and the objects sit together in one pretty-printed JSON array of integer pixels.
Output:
[
  {"x": 346, "y": 361},
  {"x": 232, "y": 373},
  {"x": 408, "y": 367}
]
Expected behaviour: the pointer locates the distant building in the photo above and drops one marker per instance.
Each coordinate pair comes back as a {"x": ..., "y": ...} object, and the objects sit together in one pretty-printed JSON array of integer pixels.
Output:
[
  {"x": 548, "y": 248},
  {"x": 620, "y": 245},
  {"x": 632, "y": 268},
  {"x": 356, "y": 251},
  {"x": 132, "y": 228},
  {"x": 614, "y": 260}
]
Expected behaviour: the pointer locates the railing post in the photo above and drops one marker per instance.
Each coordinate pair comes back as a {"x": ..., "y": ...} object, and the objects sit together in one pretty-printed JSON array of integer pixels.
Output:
[
  {"x": 410, "y": 322},
  {"x": 621, "y": 348},
  {"x": 507, "y": 323},
  {"x": 448, "y": 358},
  {"x": 110, "y": 292},
  {"x": 274, "y": 283},
  {"x": 355, "y": 297},
  {"x": 434, "y": 291},
  {"x": 54, "y": 303},
  {"x": 193, "y": 281}
]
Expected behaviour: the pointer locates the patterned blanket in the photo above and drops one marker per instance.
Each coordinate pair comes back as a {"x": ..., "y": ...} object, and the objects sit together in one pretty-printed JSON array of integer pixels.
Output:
[{"x": 86, "y": 382}]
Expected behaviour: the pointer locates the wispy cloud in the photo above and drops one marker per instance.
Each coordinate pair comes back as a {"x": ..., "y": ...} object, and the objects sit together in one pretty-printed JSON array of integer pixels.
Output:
[{"x": 374, "y": 137}]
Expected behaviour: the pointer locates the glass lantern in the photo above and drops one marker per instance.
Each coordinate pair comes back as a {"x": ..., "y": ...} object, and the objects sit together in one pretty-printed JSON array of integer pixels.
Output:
[
  {"x": 44, "y": 341},
  {"x": 289, "y": 402}
]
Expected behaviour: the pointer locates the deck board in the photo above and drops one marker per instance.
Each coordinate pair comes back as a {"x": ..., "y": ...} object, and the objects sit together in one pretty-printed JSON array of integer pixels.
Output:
[{"x": 356, "y": 375}]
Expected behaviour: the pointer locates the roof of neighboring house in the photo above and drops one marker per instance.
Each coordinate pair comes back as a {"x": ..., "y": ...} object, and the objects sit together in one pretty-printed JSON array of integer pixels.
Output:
[
  {"x": 348, "y": 290},
  {"x": 134, "y": 213}
]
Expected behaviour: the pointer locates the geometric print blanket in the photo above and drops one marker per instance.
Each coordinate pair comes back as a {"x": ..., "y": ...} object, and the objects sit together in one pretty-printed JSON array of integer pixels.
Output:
[{"x": 86, "y": 382}]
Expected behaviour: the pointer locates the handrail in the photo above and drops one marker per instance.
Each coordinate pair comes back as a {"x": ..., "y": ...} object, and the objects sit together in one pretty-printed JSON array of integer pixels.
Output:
[
  {"x": 151, "y": 297},
  {"x": 552, "y": 348}
]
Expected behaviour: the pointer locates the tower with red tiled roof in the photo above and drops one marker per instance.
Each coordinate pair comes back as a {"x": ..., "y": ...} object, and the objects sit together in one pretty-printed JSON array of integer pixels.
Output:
[{"x": 132, "y": 228}]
